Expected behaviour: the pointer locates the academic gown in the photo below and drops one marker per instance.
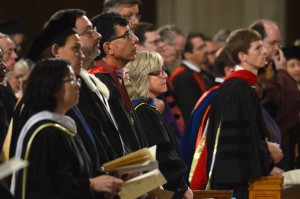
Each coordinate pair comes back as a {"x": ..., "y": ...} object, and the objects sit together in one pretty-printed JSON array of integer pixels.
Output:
[
  {"x": 128, "y": 123},
  {"x": 21, "y": 115},
  {"x": 188, "y": 87},
  {"x": 193, "y": 131},
  {"x": 3, "y": 123},
  {"x": 281, "y": 98},
  {"x": 241, "y": 152},
  {"x": 8, "y": 99},
  {"x": 158, "y": 133},
  {"x": 59, "y": 166},
  {"x": 97, "y": 117},
  {"x": 93, "y": 146}
]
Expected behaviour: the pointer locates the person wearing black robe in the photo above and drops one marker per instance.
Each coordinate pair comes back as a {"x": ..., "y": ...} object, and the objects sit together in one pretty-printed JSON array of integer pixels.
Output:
[
  {"x": 62, "y": 27},
  {"x": 99, "y": 118},
  {"x": 109, "y": 69},
  {"x": 147, "y": 81},
  {"x": 236, "y": 137},
  {"x": 3, "y": 118},
  {"x": 8, "y": 98},
  {"x": 59, "y": 164}
]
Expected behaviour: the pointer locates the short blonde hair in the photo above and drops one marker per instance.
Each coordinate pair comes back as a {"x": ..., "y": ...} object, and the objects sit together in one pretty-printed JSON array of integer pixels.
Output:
[{"x": 145, "y": 62}]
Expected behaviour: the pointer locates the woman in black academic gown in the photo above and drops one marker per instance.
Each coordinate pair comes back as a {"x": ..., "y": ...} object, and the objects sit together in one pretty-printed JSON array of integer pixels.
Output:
[
  {"x": 147, "y": 81},
  {"x": 60, "y": 39},
  {"x": 59, "y": 165}
]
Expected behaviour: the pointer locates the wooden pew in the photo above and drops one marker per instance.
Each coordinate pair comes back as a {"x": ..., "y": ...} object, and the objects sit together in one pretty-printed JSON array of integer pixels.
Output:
[
  {"x": 265, "y": 187},
  {"x": 216, "y": 194},
  {"x": 291, "y": 192}
]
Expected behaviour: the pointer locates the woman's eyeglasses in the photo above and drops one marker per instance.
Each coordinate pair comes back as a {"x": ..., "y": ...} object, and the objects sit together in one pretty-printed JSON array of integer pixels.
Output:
[
  {"x": 159, "y": 73},
  {"x": 74, "y": 82}
]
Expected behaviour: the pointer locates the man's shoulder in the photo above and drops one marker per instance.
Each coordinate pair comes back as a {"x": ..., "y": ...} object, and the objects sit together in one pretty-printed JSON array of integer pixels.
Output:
[{"x": 181, "y": 72}]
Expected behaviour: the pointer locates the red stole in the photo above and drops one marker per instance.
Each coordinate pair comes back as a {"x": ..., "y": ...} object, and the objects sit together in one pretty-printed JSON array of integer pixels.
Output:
[{"x": 101, "y": 66}]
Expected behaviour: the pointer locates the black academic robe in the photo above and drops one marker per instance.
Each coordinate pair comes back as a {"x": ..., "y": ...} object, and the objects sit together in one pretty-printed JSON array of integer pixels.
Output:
[
  {"x": 9, "y": 100},
  {"x": 158, "y": 133},
  {"x": 241, "y": 152},
  {"x": 59, "y": 167},
  {"x": 3, "y": 124},
  {"x": 4, "y": 191},
  {"x": 93, "y": 110},
  {"x": 92, "y": 145},
  {"x": 21, "y": 115},
  {"x": 129, "y": 126},
  {"x": 188, "y": 86}
]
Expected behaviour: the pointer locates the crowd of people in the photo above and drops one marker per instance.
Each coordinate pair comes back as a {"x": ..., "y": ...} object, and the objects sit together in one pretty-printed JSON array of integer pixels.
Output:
[{"x": 220, "y": 110}]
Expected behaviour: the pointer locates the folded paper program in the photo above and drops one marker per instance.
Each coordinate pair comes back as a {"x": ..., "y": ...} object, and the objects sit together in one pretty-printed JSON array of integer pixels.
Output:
[{"x": 292, "y": 177}]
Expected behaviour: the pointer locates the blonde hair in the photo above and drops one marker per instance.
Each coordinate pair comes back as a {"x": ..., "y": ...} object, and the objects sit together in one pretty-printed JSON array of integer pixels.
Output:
[{"x": 145, "y": 62}]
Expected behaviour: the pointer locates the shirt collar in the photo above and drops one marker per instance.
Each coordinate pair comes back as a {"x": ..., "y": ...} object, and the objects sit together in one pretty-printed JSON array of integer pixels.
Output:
[
  {"x": 238, "y": 67},
  {"x": 219, "y": 79},
  {"x": 191, "y": 66}
]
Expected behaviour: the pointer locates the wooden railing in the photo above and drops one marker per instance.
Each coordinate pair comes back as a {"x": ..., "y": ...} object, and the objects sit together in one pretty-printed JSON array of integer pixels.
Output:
[
  {"x": 269, "y": 187},
  {"x": 265, "y": 187}
]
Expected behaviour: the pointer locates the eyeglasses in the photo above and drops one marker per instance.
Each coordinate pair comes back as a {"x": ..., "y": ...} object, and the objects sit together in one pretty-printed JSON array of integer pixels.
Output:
[
  {"x": 74, "y": 82},
  {"x": 273, "y": 43},
  {"x": 159, "y": 73},
  {"x": 9, "y": 52},
  {"x": 126, "y": 35},
  {"x": 90, "y": 33},
  {"x": 130, "y": 17}
]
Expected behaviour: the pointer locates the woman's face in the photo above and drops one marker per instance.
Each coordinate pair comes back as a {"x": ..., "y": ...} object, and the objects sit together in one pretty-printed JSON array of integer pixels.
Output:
[
  {"x": 293, "y": 68},
  {"x": 126, "y": 78},
  {"x": 15, "y": 79},
  {"x": 72, "y": 52},
  {"x": 157, "y": 83},
  {"x": 68, "y": 94}
]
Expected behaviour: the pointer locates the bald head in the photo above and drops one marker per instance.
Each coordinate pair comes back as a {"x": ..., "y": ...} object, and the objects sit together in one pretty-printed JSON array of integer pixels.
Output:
[{"x": 270, "y": 34}]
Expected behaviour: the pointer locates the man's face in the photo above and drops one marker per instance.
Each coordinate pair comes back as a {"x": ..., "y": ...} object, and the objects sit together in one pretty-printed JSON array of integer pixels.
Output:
[
  {"x": 152, "y": 42},
  {"x": 169, "y": 54},
  {"x": 123, "y": 47},
  {"x": 211, "y": 49},
  {"x": 256, "y": 56},
  {"x": 179, "y": 46},
  {"x": 9, "y": 54},
  {"x": 272, "y": 41},
  {"x": 2, "y": 67},
  {"x": 89, "y": 39},
  {"x": 198, "y": 55},
  {"x": 131, "y": 13}
]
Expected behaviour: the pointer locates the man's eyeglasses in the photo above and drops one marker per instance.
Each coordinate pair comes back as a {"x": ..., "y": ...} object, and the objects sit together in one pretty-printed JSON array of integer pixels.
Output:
[
  {"x": 9, "y": 52},
  {"x": 74, "y": 82},
  {"x": 273, "y": 43},
  {"x": 159, "y": 73},
  {"x": 90, "y": 33},
  {"x": 132, "y": 16},
  {"x": 126, "y": 35}
]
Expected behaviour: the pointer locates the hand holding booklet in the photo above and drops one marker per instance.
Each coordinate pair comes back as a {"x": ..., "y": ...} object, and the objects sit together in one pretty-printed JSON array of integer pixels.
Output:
[
  {"x": 138, "y": 161},
  {"x": 143, "y": 160}
]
